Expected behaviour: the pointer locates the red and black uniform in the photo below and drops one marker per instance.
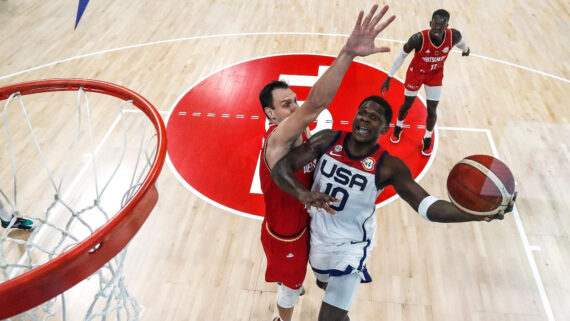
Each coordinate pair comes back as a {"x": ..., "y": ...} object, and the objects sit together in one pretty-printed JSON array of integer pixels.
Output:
[
  {"x": 427, "y": 65},
  {"x": 284, "y": 233}
]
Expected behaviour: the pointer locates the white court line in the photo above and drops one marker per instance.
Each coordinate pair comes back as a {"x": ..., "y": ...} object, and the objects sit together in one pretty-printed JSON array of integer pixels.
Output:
[
  {"x": 528, "y": 248},
  {"x": 534, "y": 268},
  {"x": 258, "y": 34}
]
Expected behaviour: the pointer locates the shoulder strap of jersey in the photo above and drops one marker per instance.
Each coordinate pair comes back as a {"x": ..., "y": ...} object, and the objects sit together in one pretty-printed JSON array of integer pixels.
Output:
[
  {"x": 378, "y": 166},
  {"x": 337, "y": 140}
]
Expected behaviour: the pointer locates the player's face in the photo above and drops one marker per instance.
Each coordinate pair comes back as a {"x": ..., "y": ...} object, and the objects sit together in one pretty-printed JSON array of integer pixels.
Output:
[
  {"x": 437, "y": 26},
  {"x": 369, "y": 123},
  {"x": 284, "y": 103}
]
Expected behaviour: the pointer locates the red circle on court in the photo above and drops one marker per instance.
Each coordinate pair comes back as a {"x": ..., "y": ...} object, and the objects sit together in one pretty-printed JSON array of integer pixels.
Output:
[{"x": 215, "y": 129}]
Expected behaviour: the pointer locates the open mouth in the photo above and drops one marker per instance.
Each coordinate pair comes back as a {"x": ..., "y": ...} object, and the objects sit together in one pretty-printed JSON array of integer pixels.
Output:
[{"x": 363, "y": 130}]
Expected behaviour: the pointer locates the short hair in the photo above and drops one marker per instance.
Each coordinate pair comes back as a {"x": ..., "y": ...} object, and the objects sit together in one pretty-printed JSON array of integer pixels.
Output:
[
  {"x": 266, "y": 94},
  {"x": 441, "y": 13},
  {"x": 382, "y": 102}
]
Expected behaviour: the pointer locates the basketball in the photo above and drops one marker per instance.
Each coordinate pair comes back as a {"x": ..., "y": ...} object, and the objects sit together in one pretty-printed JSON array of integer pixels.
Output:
[{"x": 480, "y": 185}]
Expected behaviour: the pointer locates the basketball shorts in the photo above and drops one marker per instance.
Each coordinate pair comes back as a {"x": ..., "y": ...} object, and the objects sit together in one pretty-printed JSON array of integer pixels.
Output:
[
  {"x": 287, "y": 257},
  {"x": 414, "y": 80}
]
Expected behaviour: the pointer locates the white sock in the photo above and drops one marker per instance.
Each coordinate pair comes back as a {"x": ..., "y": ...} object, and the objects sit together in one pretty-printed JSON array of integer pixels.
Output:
[
  {"x": 399, "y": 123},
  {"x": 4, "y": 215},
  {"x": 428, "y": 133}
]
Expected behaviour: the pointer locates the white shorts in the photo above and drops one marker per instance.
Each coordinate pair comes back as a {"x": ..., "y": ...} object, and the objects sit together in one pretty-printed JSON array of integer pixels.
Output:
[
  {"x": 341, "y": 259},
  {"x": 432, "y": 92}
]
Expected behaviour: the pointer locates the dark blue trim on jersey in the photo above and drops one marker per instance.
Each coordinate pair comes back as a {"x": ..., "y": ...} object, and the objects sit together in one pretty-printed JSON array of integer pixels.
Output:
[
  {"x": 378, "y": 165},
  {"x": 364, "y": 238},
  {"x": 361, "y": 265},
  {"x": 348, "y": 270},
  {"x": 345, "y": 146},
  {"x": 333, "y": 142}
]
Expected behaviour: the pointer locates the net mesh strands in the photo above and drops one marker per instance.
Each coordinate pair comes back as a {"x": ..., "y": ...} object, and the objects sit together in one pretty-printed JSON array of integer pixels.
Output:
[{"x": 80, "y": 159}]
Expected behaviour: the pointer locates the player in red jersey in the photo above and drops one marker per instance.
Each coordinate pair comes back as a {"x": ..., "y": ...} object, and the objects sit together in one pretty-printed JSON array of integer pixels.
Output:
[
  {"x": 284, "y": 234},
  {"x": 431, "y": 49}
]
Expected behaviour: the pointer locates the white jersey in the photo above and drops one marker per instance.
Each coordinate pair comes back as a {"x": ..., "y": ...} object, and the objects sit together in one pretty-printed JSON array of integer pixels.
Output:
[{"x": 341, "y": 243}]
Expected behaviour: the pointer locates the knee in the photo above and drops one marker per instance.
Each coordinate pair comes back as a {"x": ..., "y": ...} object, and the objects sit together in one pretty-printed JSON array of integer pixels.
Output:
[
  {"x": 286, "y": 296},
  {"x": 432, "y": 108},
  {"x": 331, "y": 313}
]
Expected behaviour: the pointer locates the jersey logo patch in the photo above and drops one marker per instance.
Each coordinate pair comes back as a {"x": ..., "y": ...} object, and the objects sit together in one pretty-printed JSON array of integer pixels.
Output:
[
  {"x": 445, "y": 50},
  {"x": 290, "y": 255},
  {"x": 368, "y": 163},
  {"x": 338, "y": 148}
]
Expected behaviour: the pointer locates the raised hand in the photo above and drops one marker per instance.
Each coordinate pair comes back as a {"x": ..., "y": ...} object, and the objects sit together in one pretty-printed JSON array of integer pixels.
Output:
[{"x": 361, "y": 40}]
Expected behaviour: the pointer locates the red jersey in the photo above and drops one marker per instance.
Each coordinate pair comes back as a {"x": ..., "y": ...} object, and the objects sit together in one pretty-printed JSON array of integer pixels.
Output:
[
  {"x": 430, "y": 58},
  {"x": 285, "y": 215}
]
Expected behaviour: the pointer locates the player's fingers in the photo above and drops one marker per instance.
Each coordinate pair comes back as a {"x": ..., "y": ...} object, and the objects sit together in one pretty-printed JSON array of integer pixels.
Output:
[
  {"x": 359, "y": 19},
  {"x": 370, "y": 15},
  {"x": 379, "y": 16},
  {"x": 384, "y": 24},
  {"x": 329, "y": 210},
  {"x": 382, "y": 49}
]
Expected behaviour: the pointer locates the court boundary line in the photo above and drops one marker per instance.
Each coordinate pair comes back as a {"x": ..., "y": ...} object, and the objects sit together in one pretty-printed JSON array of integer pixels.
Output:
[
  {"x": 246, "y": 34},
  {"x": 520, "y": 227},
  {"x": 522, "y": 232}
]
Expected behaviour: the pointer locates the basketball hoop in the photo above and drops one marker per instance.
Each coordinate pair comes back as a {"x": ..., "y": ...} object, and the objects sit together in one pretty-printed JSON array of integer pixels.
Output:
[{"x": 73, "y": 258}]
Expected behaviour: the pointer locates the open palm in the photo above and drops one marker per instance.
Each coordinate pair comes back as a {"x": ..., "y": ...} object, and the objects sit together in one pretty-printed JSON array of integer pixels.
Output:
[{"x": 361, "y": 40}]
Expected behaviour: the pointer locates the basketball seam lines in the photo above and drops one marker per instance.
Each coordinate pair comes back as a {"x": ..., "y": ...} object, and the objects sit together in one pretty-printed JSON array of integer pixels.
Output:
[
  {"x": 474, "y": 193},
  {"x": 471, "y": 211},
  {"x": 492, "y": 177}
]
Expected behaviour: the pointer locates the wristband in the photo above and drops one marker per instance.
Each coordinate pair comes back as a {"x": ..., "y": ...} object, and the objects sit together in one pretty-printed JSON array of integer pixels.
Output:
[{"x": 425, "y": 204}]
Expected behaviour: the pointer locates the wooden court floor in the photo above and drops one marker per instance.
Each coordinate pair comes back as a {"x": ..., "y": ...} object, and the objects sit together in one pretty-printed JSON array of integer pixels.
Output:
[{"x": 195, "y": 261}]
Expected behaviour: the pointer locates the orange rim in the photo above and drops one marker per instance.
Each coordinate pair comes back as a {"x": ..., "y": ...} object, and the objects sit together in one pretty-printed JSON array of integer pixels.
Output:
[{"x": 58, "y": 275}]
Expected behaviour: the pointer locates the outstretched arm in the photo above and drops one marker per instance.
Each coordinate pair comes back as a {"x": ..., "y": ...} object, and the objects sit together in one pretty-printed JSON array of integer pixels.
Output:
[
  {"x": 359, "y": 43},
  {"x": 397, "y": 174},
  {"x": 414, "y": 43},
  {"x": 283, "y": 173}
]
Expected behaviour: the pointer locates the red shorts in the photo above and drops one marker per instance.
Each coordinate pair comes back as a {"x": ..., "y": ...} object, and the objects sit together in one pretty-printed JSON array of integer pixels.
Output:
[
  {"x": 414, "y": 80},
  {"x": 287, "y": 257}
]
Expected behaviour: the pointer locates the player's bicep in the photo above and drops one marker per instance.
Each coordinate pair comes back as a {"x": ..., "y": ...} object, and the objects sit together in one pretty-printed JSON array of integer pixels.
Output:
[
  {"x": 414, "y": 43},
  {"x": 293, "y": 126},
  {"x": 455, "y": 36},
  {"x": 307, "y": 152},
  {"x": 403, "y": 182}
]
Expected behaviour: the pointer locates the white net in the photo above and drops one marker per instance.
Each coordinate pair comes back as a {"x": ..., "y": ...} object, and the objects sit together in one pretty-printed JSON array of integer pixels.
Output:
[{"x": 69, "y": 168}]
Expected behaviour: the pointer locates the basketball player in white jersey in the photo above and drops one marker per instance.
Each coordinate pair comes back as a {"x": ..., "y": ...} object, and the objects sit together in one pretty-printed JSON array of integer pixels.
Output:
[
  {"x": 352, "y": 170},
  {"x": 284, "y": 229}
]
